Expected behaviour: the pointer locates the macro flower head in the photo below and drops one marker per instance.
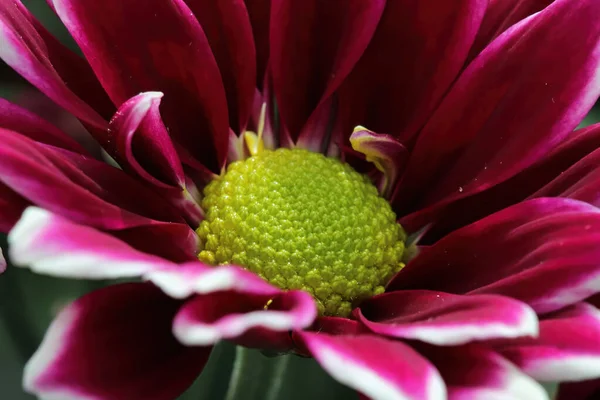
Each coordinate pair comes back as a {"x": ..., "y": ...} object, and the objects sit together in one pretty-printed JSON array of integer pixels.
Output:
[{"x": 395, "y": 188}]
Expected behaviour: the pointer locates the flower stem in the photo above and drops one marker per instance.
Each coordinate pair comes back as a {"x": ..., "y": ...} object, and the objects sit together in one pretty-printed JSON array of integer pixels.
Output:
[
  {"x": 277, "y": 377},
  {"x": 246, "y": 375}
]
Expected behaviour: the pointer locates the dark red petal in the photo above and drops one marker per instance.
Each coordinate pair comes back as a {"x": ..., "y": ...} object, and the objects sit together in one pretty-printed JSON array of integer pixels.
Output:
[
  {"x": 501, "y": 15},
  {"x": 159, "y": 46},
  {"x": 314, "y": 45},
  {"x": 227, "y": 27},
  {"x": 41, "y": 59},
  {"x": 513, "y": 104},
  {"x": 260, "y": 13},
  {"x": 543, "y": 252},
  {"x": 417, "y": 51},
  {"x": 115, "y": 343}
]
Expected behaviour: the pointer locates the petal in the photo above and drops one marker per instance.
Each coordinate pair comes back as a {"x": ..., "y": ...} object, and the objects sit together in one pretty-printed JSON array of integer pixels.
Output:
[
  {"x": 242, "y": 317},
  {"x": 141, "y": 145},
  {"x": 376, "y": 367},
  {"x": 567, "y": 171},
  {"x": 543, "y": 252},
  {"x": 232, "y": 303},
  {"x": 114, "y": 343},
  {"x": 429, "y": 40},
  {"x": 13, "y": 117},
  {"x": 328, "y": 37},
  {"x": 259, "y": 12},
  {"x": 511, "y": 106},
  {"x": 41, "y": 59},
  {"x": 501, "y": 15},
  {"x": 52, "y": 245},
  {"x": 445, "y": 319},
  {"x": 229, "y": 33},
  {"x": 588, "y": 390},
  {"x": 568, "y": 348},
  {"x": 12, "y": 206},
  {"x": 166, "y": 36},
  {"x": 388, "y": 155},
  {"x": 476, "y": 373}
]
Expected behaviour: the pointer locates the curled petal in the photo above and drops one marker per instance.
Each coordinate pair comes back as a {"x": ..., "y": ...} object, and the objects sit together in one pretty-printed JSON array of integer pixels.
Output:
[
  {"x": 52, "y": 245},
  {"x": 509, "y": 108},
  {"x": 543, "y": 252},
  {"x": 568, "y": 348},
  {"x": 41, "y": 59},
  {"x": 15, "y": 118},
  {"x": 378, "y": 368},
  {"x": 231, "y": 303},
  {"x": 242, "y": 317},
  {"x": 476, "y": 373},
  {"x": 167, "y": 36},
  {"x": 388, "y": 155},
  {"x": 114, "y": 343},
  {"x": 445, "y": 319},
  {"x": 141, "y": 144}
]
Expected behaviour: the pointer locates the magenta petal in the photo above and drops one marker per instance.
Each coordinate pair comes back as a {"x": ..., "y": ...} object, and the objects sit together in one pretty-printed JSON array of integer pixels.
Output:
[
  {"x": 417, "y": 51},
  {"x": 446, "y": 319},
  {"x": 52, "y": 245},
  {"x": 501, "y": 15},
  {"x": 327, "y": 38},
  {"x": 543, "y": 252},
  {"x": 12, "y": 205},
  {"x": 114, "y": 343},
  {"x": 231, "y": 303},
  {"x": 13, "y": 117},
  {"x": 476, "y": 373},
  {"x": 568, "y": 348},
  {"x": 41, "y": 59},
  {"x": 388, "y": 155},
  {"x": 228, "y": 30},
  {"x": 121, "y": 39},
  {"x": 141, "y": 144},
  {"x": 378, "y": 368},
  {"x": 511, "y": 106}
]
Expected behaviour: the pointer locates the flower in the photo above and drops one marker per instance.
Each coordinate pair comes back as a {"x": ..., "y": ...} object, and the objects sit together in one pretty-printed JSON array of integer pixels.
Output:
[{"x": 470, "y": 111}]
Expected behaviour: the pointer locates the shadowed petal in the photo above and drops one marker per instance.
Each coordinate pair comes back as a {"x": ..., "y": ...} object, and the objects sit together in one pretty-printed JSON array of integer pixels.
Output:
[
  {"x": 568, "y": 348},
  {"x": 327, "y": 38},
  {"x": 12, "y": 205},
  {"x": 41, "y": 59},
  {"x": 501, "y": 15},
  {"x": 229, "y": 33},
  {"x": 417, "y": 51},
  {"x": 476, "y": 373},
  {"x": 13, "y": 117},
  {"x": 141, "y": 144},
  {"x": 52, "y": 245},
  {"x": 445, "y": 319},
  {"x": 260, "y": 12},
  {"x": 114, "y": 343},
  {"x": 511, "y": 106},
  {"x": 378, "y": 368},
  {"x": 388, "y": 155},
  {"x": 166, "y": 36},
  {"x": 554, "y": 241}
]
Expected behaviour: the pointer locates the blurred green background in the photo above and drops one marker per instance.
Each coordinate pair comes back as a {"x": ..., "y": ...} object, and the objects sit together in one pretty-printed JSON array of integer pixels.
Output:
[{"x": 28, "y": 302}]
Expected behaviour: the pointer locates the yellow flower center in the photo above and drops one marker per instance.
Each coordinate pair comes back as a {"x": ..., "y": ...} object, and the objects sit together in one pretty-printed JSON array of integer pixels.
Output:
[{"x": 301, "y": 220}]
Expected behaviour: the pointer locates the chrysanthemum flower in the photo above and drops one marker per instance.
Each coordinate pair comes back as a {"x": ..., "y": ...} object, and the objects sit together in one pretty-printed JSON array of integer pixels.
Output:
[{"x": 245, "y": 133}]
